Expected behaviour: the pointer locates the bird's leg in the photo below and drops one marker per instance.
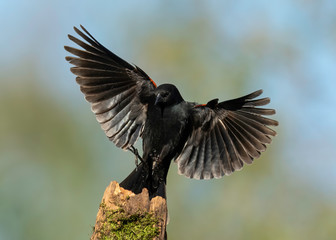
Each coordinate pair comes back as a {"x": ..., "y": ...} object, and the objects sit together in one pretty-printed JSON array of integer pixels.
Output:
[{"x": 137, "y": 156}]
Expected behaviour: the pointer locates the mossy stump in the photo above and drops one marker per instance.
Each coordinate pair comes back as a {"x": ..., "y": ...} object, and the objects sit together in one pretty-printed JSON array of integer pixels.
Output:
[{"x": 125, "y": 215}]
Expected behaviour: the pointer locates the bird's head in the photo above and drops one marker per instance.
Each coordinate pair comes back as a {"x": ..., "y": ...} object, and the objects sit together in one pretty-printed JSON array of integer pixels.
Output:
[{"x": 167, "y": 95}]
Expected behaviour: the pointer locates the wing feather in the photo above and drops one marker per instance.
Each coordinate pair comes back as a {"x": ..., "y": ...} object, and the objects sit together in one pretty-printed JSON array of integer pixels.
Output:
[
  {"x": 91, "y": 63},
  {"x": 241, "y": 144},
  {"x": 117, "y": 91},
  {"x": 232, "y": 133}
]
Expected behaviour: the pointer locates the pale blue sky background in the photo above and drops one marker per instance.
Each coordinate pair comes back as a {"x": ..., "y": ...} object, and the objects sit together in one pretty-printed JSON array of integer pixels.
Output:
[
  {"x": 307, "y": 102},
  {"x": 303, "y": 90}
]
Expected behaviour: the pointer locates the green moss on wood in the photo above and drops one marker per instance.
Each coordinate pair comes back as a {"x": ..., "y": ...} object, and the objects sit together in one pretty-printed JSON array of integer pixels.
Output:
[{"x": 119, "y": 225}]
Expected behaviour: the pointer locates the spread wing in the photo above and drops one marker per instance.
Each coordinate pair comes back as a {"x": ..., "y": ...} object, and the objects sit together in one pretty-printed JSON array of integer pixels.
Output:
[
  {"x": 117, "y": 91},
  {"x": 225, "y": 136}
]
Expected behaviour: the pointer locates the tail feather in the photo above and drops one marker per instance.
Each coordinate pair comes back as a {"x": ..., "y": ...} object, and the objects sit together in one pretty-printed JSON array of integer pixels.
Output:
[{"x": 140, "y": 178}]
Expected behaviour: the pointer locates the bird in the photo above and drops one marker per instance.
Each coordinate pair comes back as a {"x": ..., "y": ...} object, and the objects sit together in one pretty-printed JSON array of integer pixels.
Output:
[{"x": 206, "y": 141}]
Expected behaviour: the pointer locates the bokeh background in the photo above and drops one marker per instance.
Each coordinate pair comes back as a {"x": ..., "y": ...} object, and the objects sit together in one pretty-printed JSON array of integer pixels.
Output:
[{"x": 55, "y": 162}]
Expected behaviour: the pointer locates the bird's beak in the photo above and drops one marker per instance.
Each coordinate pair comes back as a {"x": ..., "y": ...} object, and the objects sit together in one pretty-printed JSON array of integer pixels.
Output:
[{"x": 158, "y": 99}]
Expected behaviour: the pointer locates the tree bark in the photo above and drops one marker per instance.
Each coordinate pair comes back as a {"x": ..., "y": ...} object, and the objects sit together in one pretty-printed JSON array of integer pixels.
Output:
[{"x": 125, "y": 215}]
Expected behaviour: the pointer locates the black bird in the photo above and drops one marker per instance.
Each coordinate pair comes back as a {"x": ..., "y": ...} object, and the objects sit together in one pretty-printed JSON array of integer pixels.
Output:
[{"x": 205, "y": 140}]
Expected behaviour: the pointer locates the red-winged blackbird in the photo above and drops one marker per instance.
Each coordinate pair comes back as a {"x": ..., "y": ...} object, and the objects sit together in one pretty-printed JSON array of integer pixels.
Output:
[{"x": 205, "y": 140}]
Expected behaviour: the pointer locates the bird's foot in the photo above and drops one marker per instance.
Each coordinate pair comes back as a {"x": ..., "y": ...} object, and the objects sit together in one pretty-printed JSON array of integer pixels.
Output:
[{"x": 137, "y": 156}]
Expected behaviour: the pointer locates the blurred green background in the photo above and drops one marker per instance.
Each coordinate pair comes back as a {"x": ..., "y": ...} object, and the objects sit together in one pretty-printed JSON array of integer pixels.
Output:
[{"x": 55, "y": 162}]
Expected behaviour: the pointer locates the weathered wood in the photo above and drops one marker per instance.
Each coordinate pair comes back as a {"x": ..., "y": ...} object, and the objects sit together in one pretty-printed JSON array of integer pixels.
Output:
[{"x": 125, "y": 215}]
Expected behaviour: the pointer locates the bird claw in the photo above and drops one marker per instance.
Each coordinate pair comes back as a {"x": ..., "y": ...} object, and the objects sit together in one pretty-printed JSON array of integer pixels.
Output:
[{"x": 137, "y": 156}]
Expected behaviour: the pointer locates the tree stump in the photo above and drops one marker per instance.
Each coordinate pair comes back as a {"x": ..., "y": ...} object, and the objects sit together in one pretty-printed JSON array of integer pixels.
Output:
[{"x": 125, "y": 215}]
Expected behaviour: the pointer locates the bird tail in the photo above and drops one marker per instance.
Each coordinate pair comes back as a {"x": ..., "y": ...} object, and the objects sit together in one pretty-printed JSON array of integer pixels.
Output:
[{"x": 141, "y": 178}]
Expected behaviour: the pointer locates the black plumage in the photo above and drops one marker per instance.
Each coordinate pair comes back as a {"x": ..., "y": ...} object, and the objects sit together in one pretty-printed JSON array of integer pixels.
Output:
[{"x": 205, "y": 140}]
